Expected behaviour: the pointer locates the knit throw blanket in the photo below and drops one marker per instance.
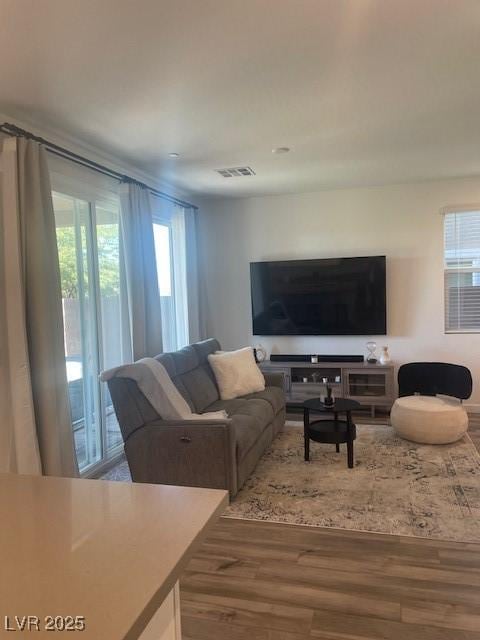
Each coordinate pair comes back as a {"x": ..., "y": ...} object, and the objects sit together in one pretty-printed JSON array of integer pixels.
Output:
[{"x": 156, "y": 385}]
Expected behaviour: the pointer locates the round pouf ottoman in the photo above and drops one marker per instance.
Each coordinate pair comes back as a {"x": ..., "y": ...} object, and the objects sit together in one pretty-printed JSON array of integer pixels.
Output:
[{"x": 429, "y": 419}]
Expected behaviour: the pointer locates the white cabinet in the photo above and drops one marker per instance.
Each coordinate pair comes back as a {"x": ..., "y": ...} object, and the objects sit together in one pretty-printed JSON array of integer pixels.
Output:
[{"x": 165, "y": 624}]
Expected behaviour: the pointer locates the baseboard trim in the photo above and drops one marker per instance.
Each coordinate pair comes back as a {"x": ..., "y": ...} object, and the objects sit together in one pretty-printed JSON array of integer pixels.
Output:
[{"x": 472, "y": 408}]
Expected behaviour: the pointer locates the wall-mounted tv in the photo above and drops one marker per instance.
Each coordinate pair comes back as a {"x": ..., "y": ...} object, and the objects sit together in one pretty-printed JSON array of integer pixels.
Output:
[{"x": 327, "y": 297}]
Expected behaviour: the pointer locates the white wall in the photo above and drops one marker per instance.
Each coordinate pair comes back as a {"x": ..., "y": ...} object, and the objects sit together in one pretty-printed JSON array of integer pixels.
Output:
[{"x": 401, "y": 221}]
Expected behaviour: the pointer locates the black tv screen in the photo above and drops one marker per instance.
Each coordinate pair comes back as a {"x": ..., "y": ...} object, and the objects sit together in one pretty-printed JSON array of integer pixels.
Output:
[{"x": 328, "y": 297}]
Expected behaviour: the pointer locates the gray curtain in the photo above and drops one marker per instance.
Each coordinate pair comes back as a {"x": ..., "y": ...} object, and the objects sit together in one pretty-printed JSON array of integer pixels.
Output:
[
  {"x": 194, "y": 276},
  {"x": 141, "y": 271},
  {"x": 40, "y": 435}
]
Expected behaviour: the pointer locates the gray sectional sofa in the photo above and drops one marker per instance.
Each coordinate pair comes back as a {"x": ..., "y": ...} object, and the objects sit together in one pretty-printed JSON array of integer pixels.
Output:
[{"x": 220, "y": 454}]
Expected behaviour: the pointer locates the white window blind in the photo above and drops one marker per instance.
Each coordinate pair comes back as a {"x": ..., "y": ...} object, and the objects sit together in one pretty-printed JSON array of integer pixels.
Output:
[{"x": 462, "y": 271}]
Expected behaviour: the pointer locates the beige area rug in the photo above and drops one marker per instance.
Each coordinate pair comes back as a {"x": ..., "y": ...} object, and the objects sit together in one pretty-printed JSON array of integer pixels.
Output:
[{"x": 396, "y": 486}]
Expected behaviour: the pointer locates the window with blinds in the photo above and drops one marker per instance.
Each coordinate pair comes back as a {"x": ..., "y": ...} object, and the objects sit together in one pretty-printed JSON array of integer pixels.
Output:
[{"x": 462, "y": 272}]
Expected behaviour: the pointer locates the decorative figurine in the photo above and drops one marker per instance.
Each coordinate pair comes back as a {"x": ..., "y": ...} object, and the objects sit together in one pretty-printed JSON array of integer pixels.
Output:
[{"x": 328, "y": 401}]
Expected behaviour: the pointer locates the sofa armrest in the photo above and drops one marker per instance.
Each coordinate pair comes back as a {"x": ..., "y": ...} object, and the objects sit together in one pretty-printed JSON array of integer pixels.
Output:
[
  {"x": 274, "y": 379},
  {"x": 192, "y": 453}
]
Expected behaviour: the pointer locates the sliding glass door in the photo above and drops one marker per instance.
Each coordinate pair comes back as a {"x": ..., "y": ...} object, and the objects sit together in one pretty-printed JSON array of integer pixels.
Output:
[
  {"x": 95, "y": 319},
  {"x": 169, "y": 238},
  {"x": 163, "y": 252}
]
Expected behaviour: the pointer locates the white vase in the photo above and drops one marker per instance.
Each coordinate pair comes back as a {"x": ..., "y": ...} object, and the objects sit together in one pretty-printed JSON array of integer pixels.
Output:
[{"x": 384, "y": 356}]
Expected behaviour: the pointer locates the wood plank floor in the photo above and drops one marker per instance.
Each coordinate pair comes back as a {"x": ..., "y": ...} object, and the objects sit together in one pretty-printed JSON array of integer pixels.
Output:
[{"x": 265, "y": 581}]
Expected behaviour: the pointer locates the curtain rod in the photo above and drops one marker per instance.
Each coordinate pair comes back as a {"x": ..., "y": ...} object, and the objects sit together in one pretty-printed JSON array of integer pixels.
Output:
[{"x": 55, "y": 149}]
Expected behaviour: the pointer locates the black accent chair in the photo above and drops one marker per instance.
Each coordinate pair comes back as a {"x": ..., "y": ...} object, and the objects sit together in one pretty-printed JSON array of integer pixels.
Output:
[{"x": 434, "y": 378}]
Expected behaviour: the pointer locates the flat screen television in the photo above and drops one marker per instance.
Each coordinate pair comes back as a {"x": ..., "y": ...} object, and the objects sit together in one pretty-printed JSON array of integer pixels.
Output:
[{"x": 327, "y": 297}]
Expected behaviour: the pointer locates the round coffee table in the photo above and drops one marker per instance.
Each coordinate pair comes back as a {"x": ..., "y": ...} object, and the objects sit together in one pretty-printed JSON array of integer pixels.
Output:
[{"x": 330, "y": 431}]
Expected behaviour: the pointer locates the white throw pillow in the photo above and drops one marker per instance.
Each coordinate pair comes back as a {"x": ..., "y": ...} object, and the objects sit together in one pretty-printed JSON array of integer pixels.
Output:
[{"x": 236, "y": 373}]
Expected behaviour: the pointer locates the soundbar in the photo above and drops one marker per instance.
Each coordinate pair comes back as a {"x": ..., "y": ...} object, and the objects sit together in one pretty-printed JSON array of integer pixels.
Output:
[{"x": 279, "y": 357}]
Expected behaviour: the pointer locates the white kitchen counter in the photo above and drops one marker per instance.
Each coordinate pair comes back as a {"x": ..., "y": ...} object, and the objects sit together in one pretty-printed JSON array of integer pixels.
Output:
[{"x": 107, "y": 553}]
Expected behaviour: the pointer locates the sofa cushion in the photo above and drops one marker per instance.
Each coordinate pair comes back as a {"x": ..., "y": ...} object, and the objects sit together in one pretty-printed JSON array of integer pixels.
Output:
[
  {"x": 247, "y": 430},
  {"x": 255, "y": 408},
  {"x": 168, "y": 361},
  {"x": 258, "y": 409},
  {"x": 230, "y": 406},
  {"x": 274, "y": 395},
  {"x": 200, "y": 387},
  {"x": 177, "y": 381},
  {"x": 184, "y": 360},
  {"x": 205, "y": 348},
  {"x": 205, "y": 366},
  {"x": 193, "y": 378},
  {"x": 249, "y": 419}
]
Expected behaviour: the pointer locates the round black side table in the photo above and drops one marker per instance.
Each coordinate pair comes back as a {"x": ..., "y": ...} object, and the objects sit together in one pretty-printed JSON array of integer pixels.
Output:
[{"x": 330, "y": 431}]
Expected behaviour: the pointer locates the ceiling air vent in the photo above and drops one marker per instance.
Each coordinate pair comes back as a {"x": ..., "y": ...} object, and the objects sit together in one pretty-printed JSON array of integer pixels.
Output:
[{"x": 236, "y": 172}]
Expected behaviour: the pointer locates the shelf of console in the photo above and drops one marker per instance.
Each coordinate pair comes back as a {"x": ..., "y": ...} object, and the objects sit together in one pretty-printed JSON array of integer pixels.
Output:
[{"x": 370, "y": 384}]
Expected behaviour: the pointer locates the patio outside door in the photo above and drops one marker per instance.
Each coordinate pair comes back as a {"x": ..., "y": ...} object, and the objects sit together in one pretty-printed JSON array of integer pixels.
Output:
[{"x": 95, "y": 319}]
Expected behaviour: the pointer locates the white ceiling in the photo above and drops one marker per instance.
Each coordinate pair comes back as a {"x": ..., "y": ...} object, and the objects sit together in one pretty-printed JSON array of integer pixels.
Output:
[{"x": 365, "y": 92}]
